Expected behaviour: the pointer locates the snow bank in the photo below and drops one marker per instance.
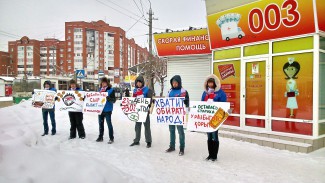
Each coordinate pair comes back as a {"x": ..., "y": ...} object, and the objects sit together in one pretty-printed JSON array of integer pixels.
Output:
[{"x": 27, "y": 157}]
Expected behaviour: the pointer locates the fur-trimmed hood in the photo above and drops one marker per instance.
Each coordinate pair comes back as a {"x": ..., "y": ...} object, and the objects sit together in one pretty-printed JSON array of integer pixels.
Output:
[{"x": 217, "y": 82}]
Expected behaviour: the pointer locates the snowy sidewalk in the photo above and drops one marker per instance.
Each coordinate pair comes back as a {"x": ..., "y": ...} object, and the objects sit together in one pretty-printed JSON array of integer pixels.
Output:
[{"x": 25, "y": 156}]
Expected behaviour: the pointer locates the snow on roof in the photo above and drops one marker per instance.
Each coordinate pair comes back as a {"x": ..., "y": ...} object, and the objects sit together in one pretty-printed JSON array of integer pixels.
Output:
[{"x": 7, "y": 78}]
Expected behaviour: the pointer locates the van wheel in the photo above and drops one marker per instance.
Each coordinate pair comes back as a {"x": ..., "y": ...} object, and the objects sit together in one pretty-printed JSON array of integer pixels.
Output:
[
  {"x": 240, "y": 36},
  {"x": 227, "y": 38}
]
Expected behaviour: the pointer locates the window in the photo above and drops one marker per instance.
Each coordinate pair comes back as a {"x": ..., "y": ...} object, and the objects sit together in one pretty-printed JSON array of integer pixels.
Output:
[
  {"x": 69, "y": 43},
  {"x": 77, "y": 30},
  {"x": 20, "y": 48},
  {"x": 69, "y": 37},
  {"x": 69, "y": 49},
  {"x": 12, "y": 49},
  {"x": 61, "y": 55},
  {"x": 69, "y": 56},
  {"x": 43, "y": 49},
  {"x": 69, "y": 31},
  {"x": 61, "y": 50}
]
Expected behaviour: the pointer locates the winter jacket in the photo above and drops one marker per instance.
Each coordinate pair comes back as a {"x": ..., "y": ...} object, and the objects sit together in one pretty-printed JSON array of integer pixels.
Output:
[
  {"x": 218, "y": 95},
  {"x": 111, "y": 99},
  {"x": 179, "y": 91},
  {"x": 144, "y": 92}
]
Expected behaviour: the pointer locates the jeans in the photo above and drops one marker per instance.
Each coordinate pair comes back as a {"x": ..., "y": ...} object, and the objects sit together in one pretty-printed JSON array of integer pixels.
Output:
[
  {"x": 101, "y": 118},
  {"x": 213, "y": 136},
  {"x": 181, "y": 134},
  {"x": 45, "y": 123},
  {"x": 76, "y": 124},
  {"x": 147, "y": 130}
]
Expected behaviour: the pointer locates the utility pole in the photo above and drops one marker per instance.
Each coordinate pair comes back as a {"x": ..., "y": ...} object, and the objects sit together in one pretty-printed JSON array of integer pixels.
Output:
[{"x": 151, "y": 84}]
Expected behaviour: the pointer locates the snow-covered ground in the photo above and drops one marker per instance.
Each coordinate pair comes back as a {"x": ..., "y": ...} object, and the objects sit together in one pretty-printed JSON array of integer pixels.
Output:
[
  {"x": 5, "y": 99},
  {"x": 26, "y": 157}
]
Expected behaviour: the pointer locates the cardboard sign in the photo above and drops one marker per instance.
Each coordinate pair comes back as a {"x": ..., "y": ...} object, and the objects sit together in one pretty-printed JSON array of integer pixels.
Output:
[
  {"x": 43, "y": 99},
  {"x": 170, "y": 111},
  {"x": 94, "y": 102},
  {"x": 136, "y": 109},
  {"x": 70, "y": 101},
  {"x": 207, "y": 117}
]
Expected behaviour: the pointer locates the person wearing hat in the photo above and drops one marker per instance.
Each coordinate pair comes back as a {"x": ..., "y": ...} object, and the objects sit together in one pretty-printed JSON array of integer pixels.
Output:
[
  {"x": 105, "y": 86},
  {"x": 76, "y": 117},
  {"x": 142, "y": 91},
  {"x": 177, "y": 91},
  {"x": 46, "y": 112},
  {"x": 213, "y": 93}
]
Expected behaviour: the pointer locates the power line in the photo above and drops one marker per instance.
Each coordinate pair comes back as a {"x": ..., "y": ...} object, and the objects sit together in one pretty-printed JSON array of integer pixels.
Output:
[
  {"x": 138, "y": 7},
  {"x": 120, "y": 11},
  {"x": 133, "y": 25},
  {"x": 141, "y": 6}
]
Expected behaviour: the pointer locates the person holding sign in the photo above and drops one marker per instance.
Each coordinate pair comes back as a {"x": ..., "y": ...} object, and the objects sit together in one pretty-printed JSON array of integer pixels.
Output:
[
  {"x": 142, "y": 91},
  {"x": 105, "y": 86},
  {"x": 76, "y": 117},
  {"x": 177, "y": 91},
  {"x": 46, "y": 112},
  {"x": 213, "y": 93}
]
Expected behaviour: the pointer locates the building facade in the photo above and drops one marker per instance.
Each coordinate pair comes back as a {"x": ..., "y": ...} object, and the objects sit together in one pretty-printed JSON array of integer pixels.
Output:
[
  {"x": 6, "y": 67},
  {"x": 95, "y": 47},
  {"x": 99, "y": 47}
]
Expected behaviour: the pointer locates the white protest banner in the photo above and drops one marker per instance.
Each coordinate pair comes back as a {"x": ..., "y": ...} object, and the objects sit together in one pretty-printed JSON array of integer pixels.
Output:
[
  {"x": 94, "y": 102},
  {"x": 136, "y": 109},
  {"x": 43, "y": 99},
  {"x": 70, "y": 101},
  {"x": 207, "y": 116},
  {"x": 170, "y": 111}
]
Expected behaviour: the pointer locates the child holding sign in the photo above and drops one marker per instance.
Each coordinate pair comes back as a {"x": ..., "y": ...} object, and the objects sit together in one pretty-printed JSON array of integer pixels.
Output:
[
  {"x": 105, "y": 86},
  {"x": 76, "y": 117},
  {"x": 213, "y": 93},
  {"x": 177, "y": 91},
  {"x": 141, "y": 91}
]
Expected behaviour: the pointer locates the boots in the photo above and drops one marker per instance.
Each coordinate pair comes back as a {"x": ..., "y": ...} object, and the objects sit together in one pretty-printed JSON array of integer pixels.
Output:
[
  {"x": 215, "y": 149},
  {"x": 209, "y": 149},
  {"x": 99, "y": 139}
]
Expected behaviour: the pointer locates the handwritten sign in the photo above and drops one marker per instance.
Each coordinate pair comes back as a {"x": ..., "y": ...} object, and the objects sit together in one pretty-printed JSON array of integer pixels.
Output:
[
  {"x": 170, "y": 110},
  {"x": 70, "y": 101},
  {"x": 207, "y": 117},
  {"x": 94, "y": 102},
  {"x": 43, "y": 99},
  {"x": 136, "y": 109}
]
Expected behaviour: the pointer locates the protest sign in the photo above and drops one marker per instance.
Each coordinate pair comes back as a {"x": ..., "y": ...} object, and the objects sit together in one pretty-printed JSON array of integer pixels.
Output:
[
  {"x": 70, "y": 101},
  {"x": 43, "y": 99},
  {"x": 170, "y": 110},
  {"x": 136, "y": 109},
  {"x": 94, "y": 102},
  {"x": 207, "y": 117}
]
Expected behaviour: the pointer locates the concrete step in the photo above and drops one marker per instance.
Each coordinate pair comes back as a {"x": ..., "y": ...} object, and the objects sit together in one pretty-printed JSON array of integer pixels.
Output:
[{"x": 274, "y": 141}]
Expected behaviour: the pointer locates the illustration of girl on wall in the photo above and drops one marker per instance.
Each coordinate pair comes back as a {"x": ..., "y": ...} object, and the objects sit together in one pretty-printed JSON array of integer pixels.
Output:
[{"x": 291, "y": 69}]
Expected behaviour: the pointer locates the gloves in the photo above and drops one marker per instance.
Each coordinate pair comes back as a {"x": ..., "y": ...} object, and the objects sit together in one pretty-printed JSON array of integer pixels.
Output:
[
  {"x": 32, "y": 92},
  {"x": 56, "y": 98}
]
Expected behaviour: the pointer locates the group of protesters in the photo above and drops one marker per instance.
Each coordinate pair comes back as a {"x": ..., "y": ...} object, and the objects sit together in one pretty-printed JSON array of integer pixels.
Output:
[{"x": 212, "y": 93}]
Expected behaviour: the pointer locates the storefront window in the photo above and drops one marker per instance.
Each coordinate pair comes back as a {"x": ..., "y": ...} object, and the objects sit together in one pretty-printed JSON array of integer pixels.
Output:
[
  {"x": 256, "y": 49},
  {"x": 322, "y": 43},
  {"x": 229, "y": 74},
  {"x": 226, "y": 54},
  {"x": 292, "y": 95},
  {"x": 321, "y": 86},
  {"x": 293, "y": 45}
]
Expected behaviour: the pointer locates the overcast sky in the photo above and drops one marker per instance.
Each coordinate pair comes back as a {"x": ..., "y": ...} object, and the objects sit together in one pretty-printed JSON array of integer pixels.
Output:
[{"x": 39, "y": 19}]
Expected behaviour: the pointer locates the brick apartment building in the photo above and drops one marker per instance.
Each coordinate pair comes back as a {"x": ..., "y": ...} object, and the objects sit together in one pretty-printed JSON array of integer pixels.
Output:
[
  {"x": 93, "y": 46},
  {"x": 6, "y": 66}
]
